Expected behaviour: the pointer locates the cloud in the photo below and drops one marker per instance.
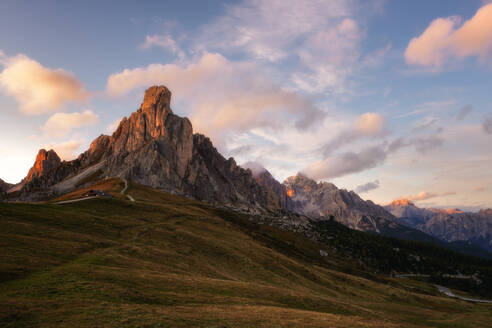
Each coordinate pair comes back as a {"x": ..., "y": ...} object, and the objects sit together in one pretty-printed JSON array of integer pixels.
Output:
[
  {"x": 367, "y": 125},
  {"x": 337, "y": 165},
  {"x": 346, "y": 163},
  {"x": 463, "y": 112},
  {"x": 487, "y": 125},
  {"x": 320, "y": 39},
  {"x": 39, "y": 89},
  {"x": 66, "y": 150},
  {"x": 367, "y": 187},
  {"x": 255, "y": 167},
  {"x": 446, "y": 39},
  {"x": 224, "y": 96},
  {"x": 60, "y": 124},
  {"x": 162, "y": 41},
  {"x": 426, "y": 144},
  {"x": 424, "y": 195},
  {"x": 267, "y": 29},
  {"x": 426, "y": 122}
]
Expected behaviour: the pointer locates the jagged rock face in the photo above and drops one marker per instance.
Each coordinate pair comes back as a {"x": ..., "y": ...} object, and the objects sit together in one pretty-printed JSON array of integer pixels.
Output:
[
  {"x": 45, "y": 162},
  {"x": 324, "y": 199},
  {"x": 215, "y": 179},
  {"x": 4, "y": 186},
  {"x": 448, "y": 224},
  {"x": 158, "y": 148},
  {"x": 153, "y": 146},
  {"x": 276, "y": 192}
]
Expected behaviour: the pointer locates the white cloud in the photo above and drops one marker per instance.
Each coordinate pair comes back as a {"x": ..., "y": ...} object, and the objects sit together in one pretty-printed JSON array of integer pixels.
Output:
[
  {"x": 60, "y": 124},
  {"x": 321, "y": 39},
  {"x": 66, "y": 150},
  {"x": 224, "y": 96},
  {"x": 255, "y": 167},
  {"x": 368, "y": 125},
  {"x": 162, "y": 41},
  {"x": 446, "y": 39},
  {"x": 267, "y": 29},
  {"x": 39, "y": 89}
]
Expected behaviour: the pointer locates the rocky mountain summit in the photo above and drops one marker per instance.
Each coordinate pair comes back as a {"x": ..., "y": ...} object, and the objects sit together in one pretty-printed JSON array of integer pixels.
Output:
[
  {"x": 324, "y": 199},
  {"x": 155, "y": 147},
  {"x": 447, "y": 224},
  {"x": 408, "y": 213},
  {"x": 45, "y": 162}
]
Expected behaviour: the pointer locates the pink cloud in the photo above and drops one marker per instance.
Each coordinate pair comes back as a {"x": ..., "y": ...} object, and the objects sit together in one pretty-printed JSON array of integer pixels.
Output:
[
  {"x": 39, "y": 89},
  {"x": 446, "y": 39}
]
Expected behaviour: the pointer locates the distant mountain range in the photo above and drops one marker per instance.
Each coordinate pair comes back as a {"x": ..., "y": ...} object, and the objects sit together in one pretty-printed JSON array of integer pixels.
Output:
[
  {"x": 155, "y": 147},
  {"x": 451, "y": 225}
]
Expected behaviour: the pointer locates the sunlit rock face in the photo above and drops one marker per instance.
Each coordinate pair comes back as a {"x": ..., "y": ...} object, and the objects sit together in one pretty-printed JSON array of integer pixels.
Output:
[
  {"x": 155, "y": 147},
  {"x": 152, "y": 146},
  {"x": 45, "y": 162},
  {"x": 322, "y": 200}
]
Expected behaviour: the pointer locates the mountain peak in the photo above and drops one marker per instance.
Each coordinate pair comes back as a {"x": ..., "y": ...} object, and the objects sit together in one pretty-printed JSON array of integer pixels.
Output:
[
  {"x": 45, "y": 161},
  {"x": 157, "y": 99},
  {"x": 401, "y": 202}
]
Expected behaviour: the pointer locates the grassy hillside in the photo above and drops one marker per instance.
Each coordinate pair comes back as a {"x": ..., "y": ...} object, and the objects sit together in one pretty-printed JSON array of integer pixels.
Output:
[{"x": 166, "y": 261}]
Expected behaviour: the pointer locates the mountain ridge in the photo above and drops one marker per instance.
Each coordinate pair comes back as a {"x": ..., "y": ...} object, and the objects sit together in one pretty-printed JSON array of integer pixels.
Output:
[
  {"x": 157, "y": 148},
  {"x": 450, "y": 225}
]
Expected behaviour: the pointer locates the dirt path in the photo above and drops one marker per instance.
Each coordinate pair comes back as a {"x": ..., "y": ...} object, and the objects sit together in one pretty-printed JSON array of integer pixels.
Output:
[
  {"x": 75, "y": 200},
  {"x": 449, "y": 293},
  {"x": 124, "y": 190}
]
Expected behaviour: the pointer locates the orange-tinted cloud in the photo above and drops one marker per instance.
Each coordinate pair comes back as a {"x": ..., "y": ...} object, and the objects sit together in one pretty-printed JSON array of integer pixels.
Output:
[
  {"x": 424, "y": 195},
  {"x": 368, "y": 125},
  {"x": 446, "y": 39},
  {"x": 60, "y": 124},
  {"x": 66, "y": 150},
  {"x": 224, "y": 96},
  {"x": 39, "y": 89}
]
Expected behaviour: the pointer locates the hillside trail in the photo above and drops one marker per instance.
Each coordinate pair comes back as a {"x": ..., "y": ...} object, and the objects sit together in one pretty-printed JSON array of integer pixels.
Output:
[
  {"x": 446, "y": 291},
  {"x": 122, "y": 192}
]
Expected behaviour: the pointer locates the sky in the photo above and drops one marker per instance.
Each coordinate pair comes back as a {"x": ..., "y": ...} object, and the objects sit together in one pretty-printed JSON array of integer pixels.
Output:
[{"x": 391, "y": 99}]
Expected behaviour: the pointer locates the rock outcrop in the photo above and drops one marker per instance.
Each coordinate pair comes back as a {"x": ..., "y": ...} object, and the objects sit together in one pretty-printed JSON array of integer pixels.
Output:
[{"x": 45, "y": 162}]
